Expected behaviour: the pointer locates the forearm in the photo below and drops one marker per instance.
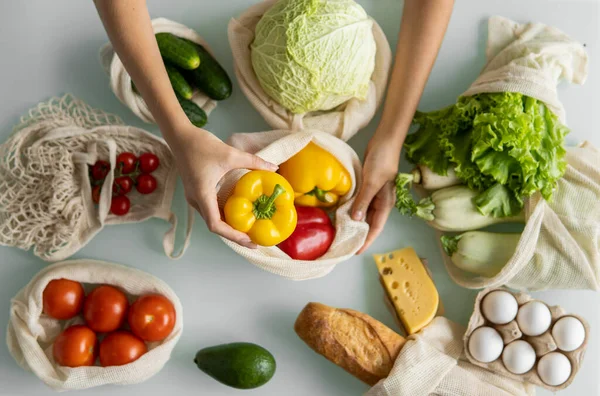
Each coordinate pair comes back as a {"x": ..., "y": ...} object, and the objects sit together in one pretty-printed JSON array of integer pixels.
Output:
[
  {"x": 422, "y": 30},
  {"x": 129, "y": 28}
]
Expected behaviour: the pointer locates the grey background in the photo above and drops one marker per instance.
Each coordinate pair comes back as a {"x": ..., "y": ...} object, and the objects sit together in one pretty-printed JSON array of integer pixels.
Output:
[{"x": 50, "y": 47}]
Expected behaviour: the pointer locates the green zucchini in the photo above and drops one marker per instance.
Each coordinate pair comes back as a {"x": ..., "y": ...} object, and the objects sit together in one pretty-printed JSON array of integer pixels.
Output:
[
  {"x": 210, "y": 77},
  {"x": 195, "y": 114},
  {"x": 178, "y": 51},
  {"x": 178, "y": 82}
]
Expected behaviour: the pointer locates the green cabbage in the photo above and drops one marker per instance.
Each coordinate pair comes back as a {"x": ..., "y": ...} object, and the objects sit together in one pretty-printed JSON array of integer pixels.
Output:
[
  {"x": 505, "y": 145},
  {"x": 311, "y": 55}
]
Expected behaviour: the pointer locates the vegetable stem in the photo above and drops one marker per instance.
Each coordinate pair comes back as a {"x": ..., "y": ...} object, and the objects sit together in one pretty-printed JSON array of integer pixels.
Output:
[
  {"x": 425, "y": 209},
  {"x": 264, "y": 207},
  {"x": 450, "y": 244}
]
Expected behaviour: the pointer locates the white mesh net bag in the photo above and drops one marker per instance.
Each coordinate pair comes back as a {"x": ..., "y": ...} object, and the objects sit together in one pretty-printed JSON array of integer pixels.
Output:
[
  {"x": 120, "y": 81},
  {"x": 277, "y": 147},
  {"x": 31, "y": 333},
  {"x": 45, "y": 192},
  {"x": 432, "y": 362},
  {"x": 343, "y": 121}
]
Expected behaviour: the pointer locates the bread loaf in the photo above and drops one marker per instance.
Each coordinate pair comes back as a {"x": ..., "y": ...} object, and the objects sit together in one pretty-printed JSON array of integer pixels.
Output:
[{"x": 361, "y": 345}]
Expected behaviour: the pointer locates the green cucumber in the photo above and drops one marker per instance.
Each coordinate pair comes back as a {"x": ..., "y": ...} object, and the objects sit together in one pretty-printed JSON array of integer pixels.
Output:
[
  {"x": 178, "y": 51},
  {"x": 210, "y": 77},
  {"x": 178, "y": 82},
  {"x": 195, "y": 114}
]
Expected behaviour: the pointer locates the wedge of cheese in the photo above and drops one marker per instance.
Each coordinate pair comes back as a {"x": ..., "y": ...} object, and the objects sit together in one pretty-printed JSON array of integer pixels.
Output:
[{"x": 409, "y": 287}]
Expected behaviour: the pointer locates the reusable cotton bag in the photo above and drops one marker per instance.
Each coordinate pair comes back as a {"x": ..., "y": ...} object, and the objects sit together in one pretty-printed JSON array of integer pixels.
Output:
[
  {"x": 45, "y": 191},
  {"x": 120, "y": 81},
  {"x": 31, "y": 333}
]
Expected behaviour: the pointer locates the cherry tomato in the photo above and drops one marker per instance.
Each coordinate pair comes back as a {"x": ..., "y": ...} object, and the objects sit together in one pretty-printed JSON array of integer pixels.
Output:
[
  {"x": 75, "y": 347},
  {"x": 152, "y": 317},
  {"x": 122, "y": 185},
  {"x": 96, "y": 194},
  {"x": 100, "y": 169},
  {"x": 145, "y": 184},
  {"x": 126, "y": 162},
  {"x": 121, "y": 347},
  {"x": 148, "y": 162},
  {"x": 63, "y": 298},
  {"x": 105, "y": 309},
  {"x": 120, "y": 205}
]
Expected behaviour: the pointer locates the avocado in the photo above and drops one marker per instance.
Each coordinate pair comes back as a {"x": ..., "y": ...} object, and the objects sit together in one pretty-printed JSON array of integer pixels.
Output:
[{"x": 241, "y": 365}]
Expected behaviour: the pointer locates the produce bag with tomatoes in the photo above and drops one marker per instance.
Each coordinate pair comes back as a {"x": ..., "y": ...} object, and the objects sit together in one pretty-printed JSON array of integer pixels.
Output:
[
  {"x": 300, "y": 216},
  {"x": 68, "y": 170},
  {"x": 85, "y": 323}
]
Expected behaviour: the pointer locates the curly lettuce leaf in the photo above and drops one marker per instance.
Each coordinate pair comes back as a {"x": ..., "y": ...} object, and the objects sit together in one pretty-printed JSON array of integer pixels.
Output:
[{"x": 498, "y": 201}]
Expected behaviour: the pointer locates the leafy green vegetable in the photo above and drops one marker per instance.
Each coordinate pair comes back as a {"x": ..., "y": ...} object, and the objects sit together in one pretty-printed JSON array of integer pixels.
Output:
[
  {"x": 405, "y": 203},
  {"x": 506, "y": 145},
  {"x": 311, "y": 55}
]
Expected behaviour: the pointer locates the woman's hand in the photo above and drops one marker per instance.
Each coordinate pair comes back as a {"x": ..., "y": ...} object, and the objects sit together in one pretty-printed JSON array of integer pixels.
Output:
[
  {"x": 377, "y": 195},
  {"x": 202, "y": 160}
]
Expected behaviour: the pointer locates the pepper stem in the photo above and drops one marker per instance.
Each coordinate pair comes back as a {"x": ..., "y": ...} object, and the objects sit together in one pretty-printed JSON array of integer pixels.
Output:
[
  {"x": 264, "y": 206},
  {"x": 320, "y": 194}
]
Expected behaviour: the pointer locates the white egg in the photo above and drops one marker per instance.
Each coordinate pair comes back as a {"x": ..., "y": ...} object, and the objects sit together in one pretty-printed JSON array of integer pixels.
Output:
[
  {"x": 568, "y": 333},
  {"x": 554, "y": 368},
  {"x": 485, "y": 344},
  {"x": 534, "y": 318},
  {"x": 499, "y": 307},
  {"x": 518, "y": 357}
]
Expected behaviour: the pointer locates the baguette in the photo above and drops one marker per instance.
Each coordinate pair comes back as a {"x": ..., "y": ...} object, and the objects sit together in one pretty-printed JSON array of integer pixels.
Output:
[{"x": 361, "y": 345}]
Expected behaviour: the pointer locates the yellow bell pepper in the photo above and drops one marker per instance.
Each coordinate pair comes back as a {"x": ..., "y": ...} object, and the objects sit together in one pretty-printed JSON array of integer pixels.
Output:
[
  {"x": 317, "y": 177},
  {"x": 262, "y": 206}
]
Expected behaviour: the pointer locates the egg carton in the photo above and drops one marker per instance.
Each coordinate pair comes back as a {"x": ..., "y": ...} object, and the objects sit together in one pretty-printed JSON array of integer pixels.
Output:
[{"x": 542, "y": 344}]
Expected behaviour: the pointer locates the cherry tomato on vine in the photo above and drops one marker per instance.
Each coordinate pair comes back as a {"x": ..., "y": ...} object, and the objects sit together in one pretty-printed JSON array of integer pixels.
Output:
[
  {"x": 121, "y": 347},
  {"x": 100, "y": 169},
  {"x": 145, "y": 184},
  {"x": 148, "y": 162},
  {"x": 96, "y": 193},
  {"x": 126, "y": 162},
  {"x": 152, "y": 317},
  {"x": 122, "y": 185},
  {"x": 105, "y": 309},
  {"x": 120, "y": 205},
  {"x": 63, "y": 298},
  {"x": 76, "y": 346}
]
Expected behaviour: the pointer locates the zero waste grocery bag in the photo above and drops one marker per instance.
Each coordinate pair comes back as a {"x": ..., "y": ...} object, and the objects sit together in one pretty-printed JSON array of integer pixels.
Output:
[
  {"x": 31, "y": 333},
  {"x": 45, "y": 191},
  {"x": 343, "y": 121},
  {"x": 277, "y": 147},
  {"x": 120, "y": 81},
  {"x": 433, "y": 362}
]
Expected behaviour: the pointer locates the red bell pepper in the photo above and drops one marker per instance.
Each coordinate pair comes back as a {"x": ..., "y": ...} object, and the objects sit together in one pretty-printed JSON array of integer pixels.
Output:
[{"x": 312, "y": 237}]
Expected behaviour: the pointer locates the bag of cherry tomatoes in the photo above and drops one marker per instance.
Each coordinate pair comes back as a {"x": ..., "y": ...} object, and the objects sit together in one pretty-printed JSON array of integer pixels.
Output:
[
  {"x": 85, "y": 323},
  {"x": 68, "y": 170}
]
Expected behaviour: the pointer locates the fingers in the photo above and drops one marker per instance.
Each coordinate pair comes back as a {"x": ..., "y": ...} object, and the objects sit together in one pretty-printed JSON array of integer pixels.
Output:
[
  {"x": 363, "y": 199},
  {"x": 378, "y": 214},
  {"x": 209, "y": 210},
  {"x": 250, "y": 161}
]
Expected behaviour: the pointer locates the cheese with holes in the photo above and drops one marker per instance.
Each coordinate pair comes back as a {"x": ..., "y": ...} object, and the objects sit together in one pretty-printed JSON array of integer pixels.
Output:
[{"x": 409, "y": 287}]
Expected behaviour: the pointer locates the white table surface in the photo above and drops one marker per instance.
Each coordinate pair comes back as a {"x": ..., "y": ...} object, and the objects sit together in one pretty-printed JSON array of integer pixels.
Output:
[{"x": 50, "y": 48}]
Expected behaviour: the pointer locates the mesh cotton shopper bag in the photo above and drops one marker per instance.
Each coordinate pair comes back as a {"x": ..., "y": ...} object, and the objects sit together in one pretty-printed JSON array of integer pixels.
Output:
[
  {"x": 31, "y": 333},
  {"x": 559, "y": 246},
  {"x": 120, "y": 81},
  {"x": 45, "y": 190},
  {"x": 432, "y": 362}
]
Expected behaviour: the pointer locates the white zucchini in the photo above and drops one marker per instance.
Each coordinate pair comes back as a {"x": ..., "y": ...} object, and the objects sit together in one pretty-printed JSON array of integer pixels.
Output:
[
  {"x": 452, "y": 209},
  {"x": 482, "y": 253},
  {"x": 430, "y": 180}
]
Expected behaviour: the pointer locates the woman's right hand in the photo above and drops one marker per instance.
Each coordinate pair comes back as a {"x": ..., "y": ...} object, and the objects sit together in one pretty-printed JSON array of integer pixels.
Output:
[{"x": 202, "y": 160}]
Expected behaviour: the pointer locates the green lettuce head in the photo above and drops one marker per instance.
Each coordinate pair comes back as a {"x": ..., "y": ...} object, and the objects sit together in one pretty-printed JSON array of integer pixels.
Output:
[{"x": 312, "y": 55}]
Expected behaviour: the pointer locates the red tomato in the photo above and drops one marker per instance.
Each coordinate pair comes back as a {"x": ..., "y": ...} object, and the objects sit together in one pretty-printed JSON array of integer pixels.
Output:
[
  {"x": 145, "y": 184},
  {"x": 122, "y": 185},
  {"x": 105, "y": 309},
  {"x": 75, "y": 347},
  {"x": 63, "y": 298},
  {"x": 152, "y": 317},
  {"x": 148, "y": 162},
  {"x": 96, "y": 194},
  {"x": 120, "y": 205},
  {"x": 126, "y": 162},
  {"x": 100, "y": 169},
  {"x": 121, "y": 347}
]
